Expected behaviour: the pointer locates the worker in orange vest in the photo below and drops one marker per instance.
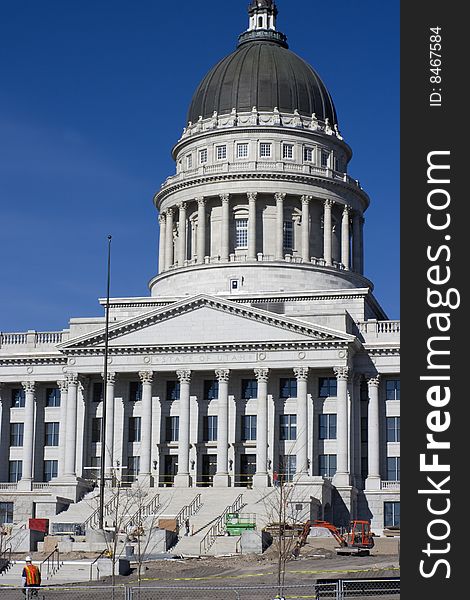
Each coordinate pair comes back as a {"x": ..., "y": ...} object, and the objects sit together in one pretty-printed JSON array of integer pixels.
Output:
[{"x": 31, "y": 576}]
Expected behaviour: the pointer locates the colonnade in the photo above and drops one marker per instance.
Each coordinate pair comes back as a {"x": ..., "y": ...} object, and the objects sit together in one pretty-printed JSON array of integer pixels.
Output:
[
  {"x": 348, "y": 457},
  {"x": 173, "y": 249}
]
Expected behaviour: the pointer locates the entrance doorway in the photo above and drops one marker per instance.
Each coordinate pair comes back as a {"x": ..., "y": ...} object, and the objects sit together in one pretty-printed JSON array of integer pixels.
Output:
[
  {"x": 209, "y": 469},
  {"x": 170, "y": 470},
  {"x": 247, "y": 469}
]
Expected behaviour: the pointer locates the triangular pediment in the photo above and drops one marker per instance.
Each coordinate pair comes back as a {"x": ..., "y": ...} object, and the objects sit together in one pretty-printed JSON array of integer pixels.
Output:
[{"x": 209, "y": 321}]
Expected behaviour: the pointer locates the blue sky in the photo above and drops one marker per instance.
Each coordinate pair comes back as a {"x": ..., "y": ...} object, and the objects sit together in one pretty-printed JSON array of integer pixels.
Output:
[{"x": 93, "y": 96}]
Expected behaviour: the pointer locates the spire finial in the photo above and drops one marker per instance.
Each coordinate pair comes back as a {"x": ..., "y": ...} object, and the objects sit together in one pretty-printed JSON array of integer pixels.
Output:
[{"x": 263, "y": 15}]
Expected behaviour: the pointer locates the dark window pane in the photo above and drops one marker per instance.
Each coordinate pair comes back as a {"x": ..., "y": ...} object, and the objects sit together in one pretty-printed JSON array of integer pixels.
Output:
[
  {"x": 96, "y": 430},
  {"x": 288, "y": 387},
  {"x": 172, "y": 390},
  {"x": 98, "y": 391},
  {"x": 50, "y": 470},
  {"x": 211, "y": 389},
  {"x": 16, "y": 434},
  {"x": 249, "y": 388},
  {"x": 210, "y": 428},
  {"x": 18, "y": 398},
  {"x": 135, "y": 391},
  {"x": 51, "y": 437},
  {"x": 327, "y": 387},
  {"x": 248, "y": 428},
  {"x": 135, "y": 428},
  {"x": 52, "y": 397},
  {"x": 172, "y": 429},
  {"x": 6, "y": 512}
]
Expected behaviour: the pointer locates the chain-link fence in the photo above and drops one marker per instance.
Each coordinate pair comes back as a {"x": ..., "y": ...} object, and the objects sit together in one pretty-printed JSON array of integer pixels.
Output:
[{"x": 372, "y": 589}]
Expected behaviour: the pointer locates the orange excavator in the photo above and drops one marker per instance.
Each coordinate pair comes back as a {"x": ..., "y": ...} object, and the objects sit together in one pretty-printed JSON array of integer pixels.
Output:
[{"x": 359, "y": 539}]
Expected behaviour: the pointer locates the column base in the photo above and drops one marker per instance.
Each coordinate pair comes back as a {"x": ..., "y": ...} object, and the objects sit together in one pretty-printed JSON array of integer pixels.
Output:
[
  {"x": 182, "y": 480},
  {"x": 221, "y": 480},
  {"x": 341, "y": 480},
  {"x": 374, "y": 482},
  {"x": 24, "y": 485},
  {"x": 260, "y": 480}
]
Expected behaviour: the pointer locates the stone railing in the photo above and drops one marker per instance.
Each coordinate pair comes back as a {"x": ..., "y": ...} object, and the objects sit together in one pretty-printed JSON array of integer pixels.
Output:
[
  {"x": 8, "y": 487},
  {"x": 390, "y": 485},
  {"x": 32, "y": 339},
  {"x": 271, "y": 166},
  {"x": 373, "y": 330}
]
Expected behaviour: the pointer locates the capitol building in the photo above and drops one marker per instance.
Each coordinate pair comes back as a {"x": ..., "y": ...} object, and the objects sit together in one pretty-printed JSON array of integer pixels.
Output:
[{"x": 260, "y": 351}]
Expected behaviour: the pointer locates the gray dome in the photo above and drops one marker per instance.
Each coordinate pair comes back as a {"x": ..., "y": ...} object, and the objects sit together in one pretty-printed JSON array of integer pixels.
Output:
[{"x": 262, "y": 72}]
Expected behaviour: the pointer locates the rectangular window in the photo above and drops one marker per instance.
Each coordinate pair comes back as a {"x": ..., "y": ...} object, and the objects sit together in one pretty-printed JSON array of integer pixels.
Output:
[
  {"x": 98, "y": 391},
  {"x": 50, "y": 469},
  {"x": 133, "y": 468},
  {"x": 242, "y": 150},
  {"x": 211, "y": 389},
  {"x": 324, "y": 159},
  {"x": 288, "y": 234},
  {"x": 52, "y": 397},
  {"x": 172, "y": 429},
  {"x": 15, "y": 471},
  {"x": 327, "y": 465},
  {"x": 393, "y": 429},
  {"x": 203, "y": 156},
  {"x": 364, "y": 429},
  {"x": 288, "y": 387},
  {"x": 96, "y": 430},
  {"x": 308, "y": 154},
  {"x": 16, "y": 434},
  {"x": 288, "y": 427},
  {"x": 287, "y": 151},
  {"x": 135, "y": 391},
  {"x": 189, "y": 161},
  {"x": 6, "y": 513},
  {"x": 265, "y": 150},
  {"x": 18, "y": 398},
  {"x": 327, "y": 387},
  {"x": 327, "y": 427},
  {"x": 172, "y": 390},
  {"x": 287, "y": 467},
  {"x": 135, "y": 429},
  {"x": 210, "y": 428},
  {"x": 392, "y": 389},
  {"x": 393, "y": 468},
  {"x": 248, "y": 428},
  {"x": 241, "y": 233},
  {"x": 221, "y": 152},
  {"x": 249, "y": 389},
  {"x": 392, "y": 514},
  {"x": 51, "y": 437}
]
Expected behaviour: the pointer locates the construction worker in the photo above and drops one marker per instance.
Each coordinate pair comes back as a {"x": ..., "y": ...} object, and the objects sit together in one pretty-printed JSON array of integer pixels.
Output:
[{"x": 31, "y": 578}]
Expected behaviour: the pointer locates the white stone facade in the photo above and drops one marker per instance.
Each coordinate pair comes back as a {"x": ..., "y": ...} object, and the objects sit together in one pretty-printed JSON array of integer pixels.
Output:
[{"x": 260, "y": 349}]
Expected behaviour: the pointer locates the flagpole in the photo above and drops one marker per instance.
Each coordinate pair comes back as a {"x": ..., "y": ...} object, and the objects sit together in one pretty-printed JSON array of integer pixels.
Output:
[{"x": 105, "y": 382}]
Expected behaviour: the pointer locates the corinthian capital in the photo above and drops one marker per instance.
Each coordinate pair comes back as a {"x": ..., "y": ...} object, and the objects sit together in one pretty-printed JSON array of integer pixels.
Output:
[
  {"x": 29, "y": 386},
  {"x": 329, "y": 203},
  {"x": 146, "y": 376},
  {"x": 162, "y": 218},
  {"x": 373, "y": 380},
  {"x": 222, "y": 375},
  {"x": 341, "y": 372},
  {"x": 279, "y": 196},
  {"x": 110, "y": 378},
  {"x": 252, "y": 196},
  {"x": 301, "y": 373},
  {"x": 201, "y": 201},
  {"x": 72, "y": 379},
  {"x": 184, "y": 376},
  {"x": 262, "y": 375},
  {"x": 225, "y": 198}
]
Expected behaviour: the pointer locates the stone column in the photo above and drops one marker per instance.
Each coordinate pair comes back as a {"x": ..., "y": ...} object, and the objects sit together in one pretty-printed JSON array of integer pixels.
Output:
[
  {"x": 279, "y": 226},
  {"x": 169, "y": 251},
  {"x": 201, "y": 230},
  {"x": 221, "y": 478},
  {"x": 301, "y": 374},
  {"x": 260, "y": 479},
  {"x": 252, "y": 225},
  {"x": 225, "y": 224},
  {"x": 182, "y": 234},
  {"x": 26, "y": 483},
  {"x": 342, "y": 442},
  {"x": 162, "y": 243},
  {"x": 109, "y": 442},
  {"x": 356, "y": 427},
  {"x": 71, "y": 427},
  {"x": 306, "y": 228},
  {"x": 327, "y": 233},
  {"x": 4, "y": 431},
  {"x": 183, "y": 479},
  {"x": 64, "y": 388},
  {"x": 345, "y": 238},
  {"x": 356, "y": 242},
  {"x": 361, "y": 244},
  {"x": 146, "y": 377},
  {"x": 373, "y": 445}
]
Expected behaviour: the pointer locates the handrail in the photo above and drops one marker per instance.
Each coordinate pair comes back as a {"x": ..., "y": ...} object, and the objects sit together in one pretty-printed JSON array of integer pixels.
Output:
[
  {"x": 95, "y": 561},
  {"x": 108, "y": 507},
  {"x": 188, "y": 511},
  {"x": 219, "y": 525},
  {"x": 144, "y": 511},
  {"x": 53, "y": 562},
  {"x": 6, "y": 555}
]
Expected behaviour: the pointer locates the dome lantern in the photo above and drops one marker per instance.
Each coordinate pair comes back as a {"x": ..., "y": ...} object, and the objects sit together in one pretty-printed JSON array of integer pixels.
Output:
[{"x": 263, "y": 15}]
